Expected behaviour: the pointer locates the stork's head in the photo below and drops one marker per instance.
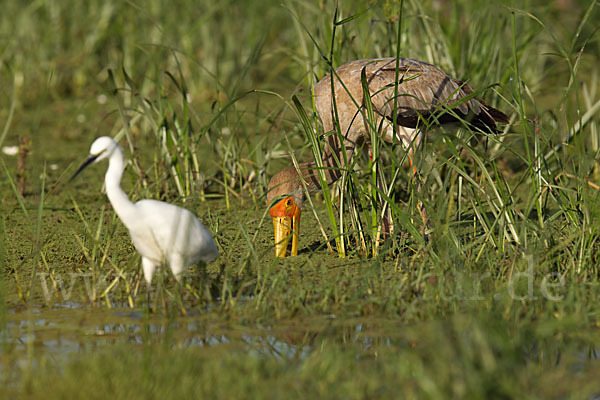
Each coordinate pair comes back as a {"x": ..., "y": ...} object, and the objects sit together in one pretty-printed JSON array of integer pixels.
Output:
[{"x": 284, "y": 197}]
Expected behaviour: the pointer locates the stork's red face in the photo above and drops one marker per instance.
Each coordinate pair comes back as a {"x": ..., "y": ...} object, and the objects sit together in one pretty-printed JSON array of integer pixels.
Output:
[{"x": 286, "y": 222}]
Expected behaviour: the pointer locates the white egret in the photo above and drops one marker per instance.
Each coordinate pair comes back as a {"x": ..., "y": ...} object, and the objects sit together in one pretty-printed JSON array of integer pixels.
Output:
[{"x": 162, "y": 233}]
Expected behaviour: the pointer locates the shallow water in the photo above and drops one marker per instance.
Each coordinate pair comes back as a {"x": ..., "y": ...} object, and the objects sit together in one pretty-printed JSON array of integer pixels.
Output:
[{"x": 69, "y": 328}]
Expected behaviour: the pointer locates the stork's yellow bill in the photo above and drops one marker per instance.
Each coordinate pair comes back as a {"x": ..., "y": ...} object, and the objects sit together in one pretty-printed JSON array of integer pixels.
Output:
[{"x": 286, "y": 225}]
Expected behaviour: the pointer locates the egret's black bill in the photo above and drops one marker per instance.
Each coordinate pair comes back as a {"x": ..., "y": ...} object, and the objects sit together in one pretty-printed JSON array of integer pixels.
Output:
[{"x": 87, "y": 162}]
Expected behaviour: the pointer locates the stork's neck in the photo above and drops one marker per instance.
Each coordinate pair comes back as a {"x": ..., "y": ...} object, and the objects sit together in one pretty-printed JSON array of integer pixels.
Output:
[
  {"x": 124, "y": 208},
  {"x": 291, "y": 181},
  {"x": 335, "y": 157}
]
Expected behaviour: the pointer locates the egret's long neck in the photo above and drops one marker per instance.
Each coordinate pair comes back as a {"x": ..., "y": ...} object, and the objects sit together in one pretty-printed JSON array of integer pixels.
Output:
[{"x": 118, "y": 198}]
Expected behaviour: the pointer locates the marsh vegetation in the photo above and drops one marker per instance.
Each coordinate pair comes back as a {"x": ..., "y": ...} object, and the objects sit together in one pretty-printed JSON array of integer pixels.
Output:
[{"x": 210, "y": 99}]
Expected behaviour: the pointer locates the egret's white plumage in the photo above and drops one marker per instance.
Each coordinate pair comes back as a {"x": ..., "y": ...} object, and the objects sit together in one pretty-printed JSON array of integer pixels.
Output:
[{"x": 161, "y": 232}]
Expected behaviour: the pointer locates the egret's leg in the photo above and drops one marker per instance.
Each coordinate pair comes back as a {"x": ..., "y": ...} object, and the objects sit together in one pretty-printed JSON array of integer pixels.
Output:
[
  {"x": 177, "y": 264},
  {"x": 149, "y": 267}
]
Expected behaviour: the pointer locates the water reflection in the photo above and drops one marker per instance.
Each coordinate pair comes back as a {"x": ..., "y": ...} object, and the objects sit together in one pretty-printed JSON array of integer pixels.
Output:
[{"x": 74, "y": 328}]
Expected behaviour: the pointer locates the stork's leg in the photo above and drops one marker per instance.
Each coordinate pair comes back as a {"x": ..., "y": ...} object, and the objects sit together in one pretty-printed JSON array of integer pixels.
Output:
[
  {"x": 423, "y": 211},
  {"x": 420, "y": 206},
  {"x": 387, "y": 224}
]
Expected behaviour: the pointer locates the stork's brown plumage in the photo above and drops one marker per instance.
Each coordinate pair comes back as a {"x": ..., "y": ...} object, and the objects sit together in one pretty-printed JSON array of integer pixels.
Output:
[{"x": 426, "y": 95}]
